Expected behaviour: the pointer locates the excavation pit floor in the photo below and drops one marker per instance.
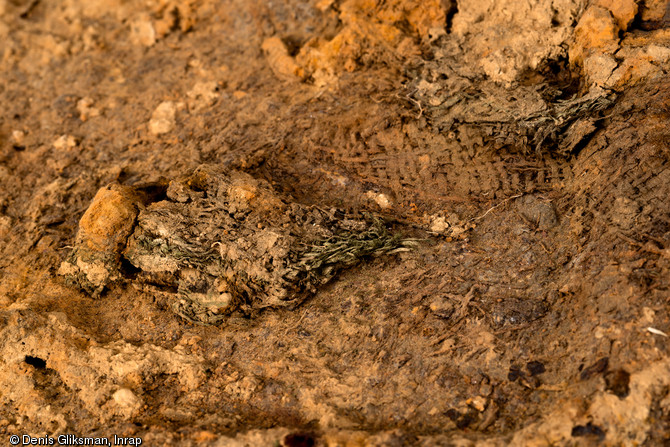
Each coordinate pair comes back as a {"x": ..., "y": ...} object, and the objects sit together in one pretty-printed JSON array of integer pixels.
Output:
[{"x": 503, "y": 171}]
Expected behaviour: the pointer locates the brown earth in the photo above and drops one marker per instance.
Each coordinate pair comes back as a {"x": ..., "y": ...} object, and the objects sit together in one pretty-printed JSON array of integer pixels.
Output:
[{"x": 526, "y": 145}]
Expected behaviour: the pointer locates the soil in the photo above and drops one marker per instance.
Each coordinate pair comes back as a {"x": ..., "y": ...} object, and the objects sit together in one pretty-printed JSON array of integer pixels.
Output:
[{"x": 525, "y": 147}]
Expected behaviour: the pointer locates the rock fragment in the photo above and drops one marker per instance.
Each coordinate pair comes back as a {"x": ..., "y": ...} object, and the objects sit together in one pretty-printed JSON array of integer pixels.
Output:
[
  {"x": 18, "y": 138},
  {"x": 65, "y": 142},
  {"x": 86, "y": 109},
  {"x": 381, "y": 199},
  {"x": 655, "y": 12},
  {"x": 163, "y": 119},
  {"x": 596, "y": 31},
  {"x": 103, "y": 231},
  {"x": 623, "y": 11},
  {"x": 127, "y": 402},
  {"x": 142, "y": 31},
  {"x": 202, "y": 95}
]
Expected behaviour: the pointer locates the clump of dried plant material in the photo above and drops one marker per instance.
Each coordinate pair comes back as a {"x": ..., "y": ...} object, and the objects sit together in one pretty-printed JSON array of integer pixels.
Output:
[
  {"x": 224, "y": 242},
  {"x": 323, "y": 259}
]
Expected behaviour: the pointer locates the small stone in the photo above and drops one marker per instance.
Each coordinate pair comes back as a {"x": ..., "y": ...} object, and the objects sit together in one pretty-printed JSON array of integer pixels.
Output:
[
  {"x": 163, "y": 118},
  {"x": 439, "y": 224},
  {"x": 18, "y": 137},
  {"x": 202, "y": 95},
  {"x": 107, "y": 223},
  {"x": 596, "y": 30},
  {"x": 380, "y": 199},
  {"x": 142, "y": 31},
  {"x": 479, "y": 403},
  {"x": 102, "y": 233},
  {"x": 86, "y": 109},
  {"x": 654, "y": 10},
  {"x": 624, "y": 11},
  {"x": 65, "y": 142},
  {"x": 128, "y": 402}
]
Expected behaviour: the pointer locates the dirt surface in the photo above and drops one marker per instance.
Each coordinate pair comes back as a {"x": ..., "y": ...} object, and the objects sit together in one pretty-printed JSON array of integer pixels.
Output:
[{"x": 524, "y": 146}]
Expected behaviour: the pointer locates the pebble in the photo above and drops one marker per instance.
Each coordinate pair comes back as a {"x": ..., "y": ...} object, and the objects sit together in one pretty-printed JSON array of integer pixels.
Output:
[
  {"x": 18, "y": 137},
  {"x": 65, "y": 142},
  {"x": 86, "y": 109},
  {"x": 380, "y": 199},
  {"x": 142, "y": 31},
  {"x": 127, "y": 401},
  {"x": 163, "y": 118},
  {"x": 479, "y": 403}
]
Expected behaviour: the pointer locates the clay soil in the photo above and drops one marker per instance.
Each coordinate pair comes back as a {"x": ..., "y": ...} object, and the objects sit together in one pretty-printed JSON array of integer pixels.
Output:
[{"x": 533, "y": 312}]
